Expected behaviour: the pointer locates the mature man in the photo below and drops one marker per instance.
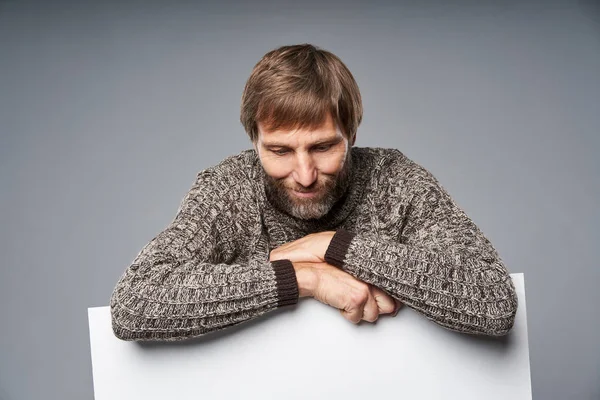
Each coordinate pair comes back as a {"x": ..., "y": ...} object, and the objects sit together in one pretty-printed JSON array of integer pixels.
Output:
[{"x": 304, "y": 213}]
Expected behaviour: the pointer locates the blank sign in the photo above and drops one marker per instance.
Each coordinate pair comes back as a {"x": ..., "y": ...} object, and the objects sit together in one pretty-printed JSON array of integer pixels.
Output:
[{"x": 309, "y": 351}]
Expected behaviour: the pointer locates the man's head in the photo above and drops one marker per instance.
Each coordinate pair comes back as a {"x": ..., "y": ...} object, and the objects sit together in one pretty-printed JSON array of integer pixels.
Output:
[{"x": 301, "y": 108}]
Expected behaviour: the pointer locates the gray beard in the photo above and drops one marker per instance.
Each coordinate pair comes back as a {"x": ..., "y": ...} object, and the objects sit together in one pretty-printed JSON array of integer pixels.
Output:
[{"x": 330, "y": 192}]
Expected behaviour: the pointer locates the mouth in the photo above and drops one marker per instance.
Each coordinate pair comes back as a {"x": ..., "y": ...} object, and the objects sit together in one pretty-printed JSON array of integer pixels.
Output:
[{"x": 305, "y": 194}]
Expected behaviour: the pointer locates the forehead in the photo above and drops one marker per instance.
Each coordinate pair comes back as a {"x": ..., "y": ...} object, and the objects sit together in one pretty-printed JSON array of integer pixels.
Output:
[{"x": 291, "y": 137}]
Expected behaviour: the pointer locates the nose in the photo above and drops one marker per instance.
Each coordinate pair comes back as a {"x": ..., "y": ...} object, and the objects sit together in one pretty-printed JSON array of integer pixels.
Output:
[{"x": 305, "y": 172}]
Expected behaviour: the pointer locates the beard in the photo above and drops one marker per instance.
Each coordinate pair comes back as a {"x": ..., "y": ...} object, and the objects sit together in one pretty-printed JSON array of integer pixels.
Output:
[{"x": 329, "y": 191}]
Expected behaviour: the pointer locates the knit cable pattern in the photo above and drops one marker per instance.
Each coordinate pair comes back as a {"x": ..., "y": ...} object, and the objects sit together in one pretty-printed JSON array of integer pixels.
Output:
[{"x": 399, "y": 230}]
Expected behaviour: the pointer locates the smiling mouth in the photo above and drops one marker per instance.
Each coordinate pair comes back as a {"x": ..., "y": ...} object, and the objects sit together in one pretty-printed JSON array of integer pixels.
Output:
[
  {"x": 305, "y": 191},
  {"x": 305, "y": 194}
]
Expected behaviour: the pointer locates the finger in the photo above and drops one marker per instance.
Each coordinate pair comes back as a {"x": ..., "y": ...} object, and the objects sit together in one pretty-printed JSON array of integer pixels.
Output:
[
  {"x": 371, "y": 310},
  {"x": 354, "y": 315},
  {"x": 354, "y": 303},
  {"x": 273, "y": 255},
  {"x": 385, "y": 303},
  {"x": 398, "y": 307}
]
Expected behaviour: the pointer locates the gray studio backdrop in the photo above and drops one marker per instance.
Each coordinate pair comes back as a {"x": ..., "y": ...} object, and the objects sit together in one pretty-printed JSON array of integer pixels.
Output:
[{"x": 109, "y": 109}]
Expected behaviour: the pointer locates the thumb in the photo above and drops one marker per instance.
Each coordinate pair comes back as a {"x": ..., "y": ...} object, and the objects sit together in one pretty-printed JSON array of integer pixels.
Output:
[
  {"x": 385, "y": 303},
  {"x": 398, "y": 307}
]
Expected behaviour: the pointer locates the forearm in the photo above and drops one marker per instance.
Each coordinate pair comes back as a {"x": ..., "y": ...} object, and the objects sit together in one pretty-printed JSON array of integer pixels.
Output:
[
  {"x": 160, "y": 298},
  {"x": 459, "y": 288},
  {"x": 190, "y": 278}
]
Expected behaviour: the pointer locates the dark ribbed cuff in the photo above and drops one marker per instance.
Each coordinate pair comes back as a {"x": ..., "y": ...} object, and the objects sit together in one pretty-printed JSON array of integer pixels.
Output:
[
  {"x": 338, "y": 247},
  {"x": 287, "y": 285}
]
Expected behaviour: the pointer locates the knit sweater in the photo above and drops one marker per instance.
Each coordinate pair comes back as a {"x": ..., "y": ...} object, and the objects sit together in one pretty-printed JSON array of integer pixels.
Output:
[{"x": 396, "y": 228}]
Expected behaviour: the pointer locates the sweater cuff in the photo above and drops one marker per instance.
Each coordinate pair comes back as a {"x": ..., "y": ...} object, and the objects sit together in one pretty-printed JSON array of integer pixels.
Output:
[
  {"x": 338, "y": 247},
  {"x": 287, "y": 285}
]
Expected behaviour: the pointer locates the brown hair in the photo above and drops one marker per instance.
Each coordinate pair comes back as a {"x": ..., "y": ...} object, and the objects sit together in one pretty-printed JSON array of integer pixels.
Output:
[{"x": 295, "y": 86}]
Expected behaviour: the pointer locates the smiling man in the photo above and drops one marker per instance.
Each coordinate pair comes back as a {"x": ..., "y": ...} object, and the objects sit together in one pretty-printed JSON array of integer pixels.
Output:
[
  {"x": 307, "y": 171},
  {"x": 305, "y": 213}
]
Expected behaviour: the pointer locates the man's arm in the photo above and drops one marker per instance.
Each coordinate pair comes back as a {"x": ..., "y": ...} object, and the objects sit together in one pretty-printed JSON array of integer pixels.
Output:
[
  {"x": 180, "y": 286},
  {"x": 442, "y": 265}
]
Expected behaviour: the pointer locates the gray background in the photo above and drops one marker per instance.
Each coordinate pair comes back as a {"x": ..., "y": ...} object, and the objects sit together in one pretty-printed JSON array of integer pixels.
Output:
[{"x": 108, "y": 111}]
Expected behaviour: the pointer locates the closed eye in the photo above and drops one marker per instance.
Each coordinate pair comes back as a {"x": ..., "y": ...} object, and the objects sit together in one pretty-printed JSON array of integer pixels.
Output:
[{"x": 323, "y": 148}]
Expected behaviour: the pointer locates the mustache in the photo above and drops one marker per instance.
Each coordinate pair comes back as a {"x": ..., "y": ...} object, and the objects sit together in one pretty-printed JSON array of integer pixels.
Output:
[{"x": 305, "y": 190}]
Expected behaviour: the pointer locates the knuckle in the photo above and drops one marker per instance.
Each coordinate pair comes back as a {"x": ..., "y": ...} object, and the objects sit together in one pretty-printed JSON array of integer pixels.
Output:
[
  {"x": 372, "y": 318},
  {"x": 349, "y": 317},
  {"x": 359, "y": 297}
]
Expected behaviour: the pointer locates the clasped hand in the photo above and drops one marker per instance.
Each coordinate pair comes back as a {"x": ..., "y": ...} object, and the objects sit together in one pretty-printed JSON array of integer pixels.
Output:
[{"x": 355, "y": 299}]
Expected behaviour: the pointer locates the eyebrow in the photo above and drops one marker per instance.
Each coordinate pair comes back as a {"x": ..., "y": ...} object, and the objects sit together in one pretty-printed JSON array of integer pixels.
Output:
[{"x": 332, "y": 141}]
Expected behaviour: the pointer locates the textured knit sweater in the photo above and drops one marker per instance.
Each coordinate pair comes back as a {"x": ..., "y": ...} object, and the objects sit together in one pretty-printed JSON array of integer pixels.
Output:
[{"x": 396, "y": 228}]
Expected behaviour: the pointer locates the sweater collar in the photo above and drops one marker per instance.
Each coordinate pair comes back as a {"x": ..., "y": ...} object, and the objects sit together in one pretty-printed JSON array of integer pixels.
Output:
[{"x": 274, "y": 217}]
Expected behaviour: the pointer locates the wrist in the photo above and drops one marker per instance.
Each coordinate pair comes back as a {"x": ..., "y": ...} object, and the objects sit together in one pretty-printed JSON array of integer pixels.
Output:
[
  {"x": 307, "y": 279},
  {"x": 338, "y": 247}
]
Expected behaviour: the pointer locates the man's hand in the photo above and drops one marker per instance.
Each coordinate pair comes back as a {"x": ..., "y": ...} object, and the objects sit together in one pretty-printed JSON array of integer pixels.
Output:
[
  {"x": 355, "y": 299},
  {"x": 310, "y": 248}
]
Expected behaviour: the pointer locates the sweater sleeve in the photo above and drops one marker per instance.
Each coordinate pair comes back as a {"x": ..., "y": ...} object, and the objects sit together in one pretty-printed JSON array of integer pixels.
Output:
[
  {"x": 183, "y": 284},
  {"x": 441, "y": 265}
]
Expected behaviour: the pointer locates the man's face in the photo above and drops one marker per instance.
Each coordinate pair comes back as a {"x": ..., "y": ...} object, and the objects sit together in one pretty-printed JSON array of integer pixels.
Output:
[{"x": 307, "y": 171}]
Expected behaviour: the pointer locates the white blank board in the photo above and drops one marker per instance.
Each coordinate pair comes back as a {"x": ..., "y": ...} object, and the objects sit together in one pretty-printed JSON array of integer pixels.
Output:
[{"x": 310, "y": 351}]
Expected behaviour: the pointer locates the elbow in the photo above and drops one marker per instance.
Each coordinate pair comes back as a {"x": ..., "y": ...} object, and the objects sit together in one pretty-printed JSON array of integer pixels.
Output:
[
  {"x": 130, "y": 322},
  {"x": 501, "y": 303},
  {"x": 125, "y": 325},
  {"x": 499, "y": 325},
  {"x": 500, "y": 317},
  {"x": 122, "y": 327}
]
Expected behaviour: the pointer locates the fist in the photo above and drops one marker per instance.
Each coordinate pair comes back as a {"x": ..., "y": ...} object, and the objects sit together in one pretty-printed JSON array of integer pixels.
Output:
[{"x": 355, "y": 299}]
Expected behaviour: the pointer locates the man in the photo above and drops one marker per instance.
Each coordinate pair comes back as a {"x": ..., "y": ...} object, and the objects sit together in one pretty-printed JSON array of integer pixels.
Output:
[{"x": 306, "y": 214}]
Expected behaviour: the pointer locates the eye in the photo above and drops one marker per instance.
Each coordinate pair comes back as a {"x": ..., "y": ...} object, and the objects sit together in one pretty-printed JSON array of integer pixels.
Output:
[
  {"x": 280, "y": 152},
  {"x": 323, "y": 148}
]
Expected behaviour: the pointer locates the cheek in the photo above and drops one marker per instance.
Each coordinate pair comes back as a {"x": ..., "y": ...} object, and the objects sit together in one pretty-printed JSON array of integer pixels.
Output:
[
  {"x": 330, "y": 164},
  {"x": 276, "y": 168}
]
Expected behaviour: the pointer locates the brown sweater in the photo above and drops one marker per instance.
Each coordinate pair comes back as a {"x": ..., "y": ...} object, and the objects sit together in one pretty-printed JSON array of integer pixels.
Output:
[{"x": 397, "y": 228}]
